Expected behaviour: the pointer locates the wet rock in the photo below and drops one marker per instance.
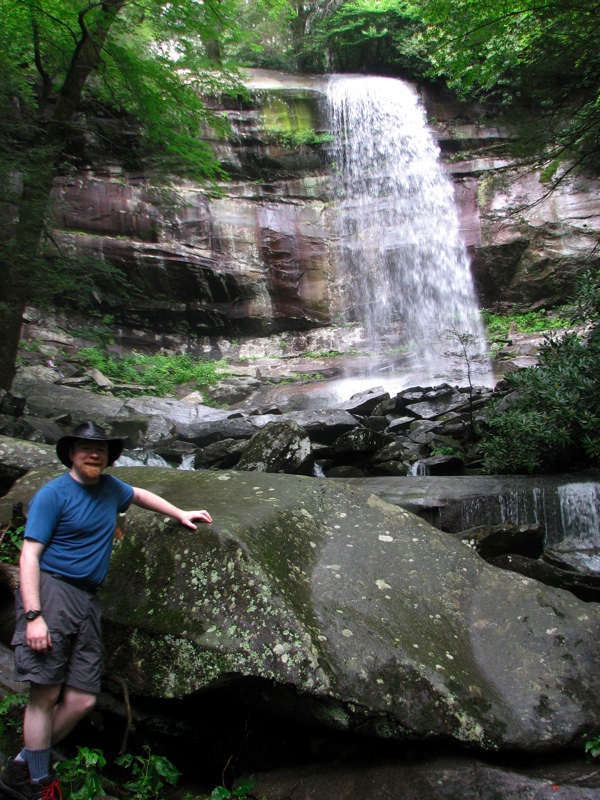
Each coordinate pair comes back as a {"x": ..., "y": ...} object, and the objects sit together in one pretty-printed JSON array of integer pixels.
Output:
[
  {"x": 220, "y": 455},
  {"x": 100, "y": 379},
  {"x": 507, "y": 538},
  {"x": 364, "y": 403},
  {"x": 10, "y": 404},
  {"x": 585, "y": 587},
  {"x": 18, "y": 457},
  {"x": 203, "y": 433},
  {"x": 232, "y": 390},
  {"x": 324, "y": 426},
  {"x": 442, "y": 464},
  {"x": 359, "y": 442},
  {"x": 279, "y": 447}
]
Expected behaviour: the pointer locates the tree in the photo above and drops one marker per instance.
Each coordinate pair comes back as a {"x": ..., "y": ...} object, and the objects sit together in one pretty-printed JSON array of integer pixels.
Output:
[
  {"x": 366, "y": 35},
  {"x": 62, "y": 59},
  {"x": 541, "y": 55},
  {"x": 469, "y": 358}
]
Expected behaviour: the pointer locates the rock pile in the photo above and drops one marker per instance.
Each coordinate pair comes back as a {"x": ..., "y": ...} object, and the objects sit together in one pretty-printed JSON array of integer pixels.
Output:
[{"x": 422, "y": 430}]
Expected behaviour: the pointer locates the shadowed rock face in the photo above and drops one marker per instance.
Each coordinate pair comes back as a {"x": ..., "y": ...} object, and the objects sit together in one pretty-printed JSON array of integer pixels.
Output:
[{"x": 380, "y": 623}]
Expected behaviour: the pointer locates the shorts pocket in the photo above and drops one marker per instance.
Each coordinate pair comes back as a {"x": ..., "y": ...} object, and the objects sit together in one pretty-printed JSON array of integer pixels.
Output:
[{"x": 48, "y": 667}]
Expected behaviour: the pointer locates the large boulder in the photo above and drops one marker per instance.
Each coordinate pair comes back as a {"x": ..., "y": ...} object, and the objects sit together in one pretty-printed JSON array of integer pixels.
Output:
[
  {"x": 427, "y": 778},
  {"x": 372, "y": 620}
]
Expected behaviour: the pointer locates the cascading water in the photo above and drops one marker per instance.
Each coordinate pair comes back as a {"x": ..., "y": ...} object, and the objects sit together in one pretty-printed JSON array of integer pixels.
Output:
[{"x": 404, "y": 268}]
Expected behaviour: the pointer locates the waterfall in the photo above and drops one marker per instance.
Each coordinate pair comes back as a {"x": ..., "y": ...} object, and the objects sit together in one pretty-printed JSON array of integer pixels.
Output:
[
  {"x": 405, "y": 274},
  {"x": 580, "y": 514}
]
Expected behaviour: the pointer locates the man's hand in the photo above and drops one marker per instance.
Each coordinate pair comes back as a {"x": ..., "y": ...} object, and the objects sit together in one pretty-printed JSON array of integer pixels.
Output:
[
  {"x": 187, "y": 518},
  {"x": 38, "y": 635},
  {"x": 153, "y": 502}
]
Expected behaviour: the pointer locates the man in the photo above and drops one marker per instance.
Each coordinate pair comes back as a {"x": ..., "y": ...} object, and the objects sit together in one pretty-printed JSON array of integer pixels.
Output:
[{"x": 65, "y": 556}]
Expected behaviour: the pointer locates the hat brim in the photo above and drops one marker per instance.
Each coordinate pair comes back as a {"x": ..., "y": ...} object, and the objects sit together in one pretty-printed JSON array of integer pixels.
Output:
[{"x": 65, "y": 443}]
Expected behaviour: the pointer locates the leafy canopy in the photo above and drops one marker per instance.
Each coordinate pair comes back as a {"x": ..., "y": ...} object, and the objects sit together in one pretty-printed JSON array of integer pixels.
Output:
[
  {"x": 154, "y": 67},
  {"x": 539, "y": 54}
]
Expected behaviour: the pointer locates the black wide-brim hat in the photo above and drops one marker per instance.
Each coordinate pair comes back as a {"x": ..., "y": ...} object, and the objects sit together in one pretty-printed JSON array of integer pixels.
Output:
[{"x": 93, "y": 432}]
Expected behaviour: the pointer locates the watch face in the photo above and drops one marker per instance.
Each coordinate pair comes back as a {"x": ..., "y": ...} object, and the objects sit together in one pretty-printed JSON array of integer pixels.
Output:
[{"x": 32, "y": 615}]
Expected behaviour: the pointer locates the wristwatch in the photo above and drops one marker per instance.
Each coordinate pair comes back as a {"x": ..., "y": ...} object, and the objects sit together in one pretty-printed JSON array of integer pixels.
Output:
[{"x": 33, "y": 614}]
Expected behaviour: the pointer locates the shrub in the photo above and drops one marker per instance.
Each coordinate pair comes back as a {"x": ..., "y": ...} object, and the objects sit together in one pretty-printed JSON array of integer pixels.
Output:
[
  {"x": 163, "y": 372},
  {"x": 553, "y": 424},
  {"x": 529, "y": 322}
]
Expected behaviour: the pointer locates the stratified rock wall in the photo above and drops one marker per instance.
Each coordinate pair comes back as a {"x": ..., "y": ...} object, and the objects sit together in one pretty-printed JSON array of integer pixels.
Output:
[
  {"x": 252, "y": 258},
  {"x": 528, "y": 245},
  {"x": 258, "y": 258}
]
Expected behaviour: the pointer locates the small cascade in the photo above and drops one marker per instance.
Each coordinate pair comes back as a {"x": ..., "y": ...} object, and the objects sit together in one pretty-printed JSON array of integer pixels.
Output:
[
  {"x": 140, "y": 458},
  {"x": 405, "y": 272},
  {"x": 518, "y": 507},
  {"x": 580, "y": 513},
  {"x": 569, "y": 513},
  {"x": 419, "y": 468},
  {"x": 188, "y": 462}
]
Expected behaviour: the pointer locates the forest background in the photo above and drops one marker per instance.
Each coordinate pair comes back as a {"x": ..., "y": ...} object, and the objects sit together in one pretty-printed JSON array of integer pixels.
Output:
[{"x": 152, "y": 67}]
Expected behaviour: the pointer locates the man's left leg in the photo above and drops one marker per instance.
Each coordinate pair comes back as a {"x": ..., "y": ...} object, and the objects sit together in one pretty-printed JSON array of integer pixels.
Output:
[
  {"x": 37, "y": 728},
  {"x": 73, "y": 706}
]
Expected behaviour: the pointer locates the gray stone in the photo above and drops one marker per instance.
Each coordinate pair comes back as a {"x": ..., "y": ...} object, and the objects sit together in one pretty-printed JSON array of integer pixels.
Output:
[
  {"x": 364, "y": 403},
  {"x": 360, "y": 441},
  {"x": 429, "y": 778},
  {"x": 316, "y": 585},
  {"x": 279, "y": 447}
]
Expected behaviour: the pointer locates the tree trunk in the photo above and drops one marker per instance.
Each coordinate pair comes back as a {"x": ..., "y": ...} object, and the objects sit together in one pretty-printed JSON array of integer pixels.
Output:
[{"x": 24, "y": 247}]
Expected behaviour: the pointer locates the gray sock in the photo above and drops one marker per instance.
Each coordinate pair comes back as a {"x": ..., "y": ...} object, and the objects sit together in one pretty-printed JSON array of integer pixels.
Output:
[
  {"x": 22, "y": 756},
  {"x": 38, "y": 762}
]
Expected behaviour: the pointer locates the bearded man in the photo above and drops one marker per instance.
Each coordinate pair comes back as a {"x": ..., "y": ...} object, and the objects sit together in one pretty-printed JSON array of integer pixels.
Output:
[{"x": 66, "y": 552}]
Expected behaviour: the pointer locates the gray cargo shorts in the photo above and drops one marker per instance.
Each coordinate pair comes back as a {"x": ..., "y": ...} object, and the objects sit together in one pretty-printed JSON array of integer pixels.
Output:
[{"x": 73, "y": 616}]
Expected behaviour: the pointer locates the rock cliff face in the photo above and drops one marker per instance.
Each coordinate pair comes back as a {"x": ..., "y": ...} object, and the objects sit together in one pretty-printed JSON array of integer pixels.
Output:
[{"x": 257, "y": 259}]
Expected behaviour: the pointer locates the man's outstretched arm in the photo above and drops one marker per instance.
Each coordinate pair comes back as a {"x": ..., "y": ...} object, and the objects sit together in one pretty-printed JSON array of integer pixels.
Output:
[{"x": 153, "y": 502}]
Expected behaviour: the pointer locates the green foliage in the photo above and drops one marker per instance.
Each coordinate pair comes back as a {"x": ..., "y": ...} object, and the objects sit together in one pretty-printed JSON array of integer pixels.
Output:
[
  {"x": 592, "y": 747},
  {"x": 144, "y": 69},
  {"x": 529, "y": 322},
  {"x": 586, "y": 306},
  {"x": 294, "y": 139},
  {"x": 526, "y": 53},
  {"x": 242, "y": 792},
  {"x": 150, "y": 774},
  {"x": 11, "y": 542},
  {"x": 366, "y": 35},
  {"x": 155, "y": 69},
  {"x": 100, "y": 332},
  {"x": 446, "y": 450},
  {"x": 162, "y": 372},
  {"x": 271, "y": 40},
  {"x": 81, "y": 776},
  {"x": 76, "y": 282},
  {"x": 553, "y": 421},
  {"x": 11, "y": 712},
  {"x": 30, "y": 345}
]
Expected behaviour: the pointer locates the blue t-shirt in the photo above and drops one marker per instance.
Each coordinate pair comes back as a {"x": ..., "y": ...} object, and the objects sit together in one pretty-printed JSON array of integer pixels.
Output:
[{"x": 77, "y": 522}]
